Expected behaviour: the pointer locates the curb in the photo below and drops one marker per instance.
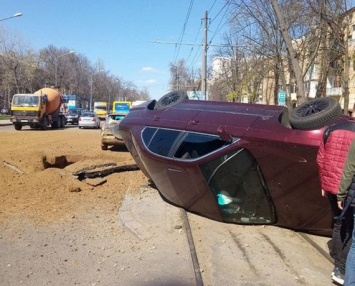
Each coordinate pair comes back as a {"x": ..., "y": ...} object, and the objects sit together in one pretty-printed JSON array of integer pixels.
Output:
[
  {"x": 5, "y": 122},
  {"x": 128, "y": 219},
  {"x": 146, "y": 215}
]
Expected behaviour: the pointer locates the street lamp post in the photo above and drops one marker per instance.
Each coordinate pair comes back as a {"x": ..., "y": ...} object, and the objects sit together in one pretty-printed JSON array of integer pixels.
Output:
[
  {"x": 91, "y": 81},
  {"x": 13, "y": 16},
  {"x": 56, "y": 66},
  {"x": 92, "y": 78}
]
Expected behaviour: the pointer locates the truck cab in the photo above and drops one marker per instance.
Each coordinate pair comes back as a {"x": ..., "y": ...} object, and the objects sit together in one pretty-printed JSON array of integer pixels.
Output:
[
  {"x": 27, "y": 109},
  {"x": 100, "y": 108}
]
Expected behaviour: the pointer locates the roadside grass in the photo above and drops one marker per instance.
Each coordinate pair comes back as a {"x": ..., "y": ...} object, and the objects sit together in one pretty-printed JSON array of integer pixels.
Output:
[{"x": 4, "y": 116}]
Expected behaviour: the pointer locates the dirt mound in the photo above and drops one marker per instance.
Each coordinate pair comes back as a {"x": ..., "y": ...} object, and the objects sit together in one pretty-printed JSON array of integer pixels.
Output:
[{"x": 37, "y": 181}]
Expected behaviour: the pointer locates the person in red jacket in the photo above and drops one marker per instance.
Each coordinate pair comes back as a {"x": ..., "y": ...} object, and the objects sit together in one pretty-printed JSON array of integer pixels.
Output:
[{"x": 331, "y": 159}]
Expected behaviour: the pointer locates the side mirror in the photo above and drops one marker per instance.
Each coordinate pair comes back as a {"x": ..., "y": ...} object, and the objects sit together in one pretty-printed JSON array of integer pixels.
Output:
[{"x": 224, "y": 134}]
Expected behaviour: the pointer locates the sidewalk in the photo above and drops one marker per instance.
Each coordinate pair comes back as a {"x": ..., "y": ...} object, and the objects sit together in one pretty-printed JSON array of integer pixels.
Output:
[
  {"x": 227, "y": 254},
  {"x": 158, "y": 225},
  {"x": 5, "y": 122}
]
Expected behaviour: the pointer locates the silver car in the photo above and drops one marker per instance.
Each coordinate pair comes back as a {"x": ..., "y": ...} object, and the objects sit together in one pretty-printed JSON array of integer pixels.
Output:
[
  {"x": 108, "y": 135},
  {"x": 89, "y": 120}
]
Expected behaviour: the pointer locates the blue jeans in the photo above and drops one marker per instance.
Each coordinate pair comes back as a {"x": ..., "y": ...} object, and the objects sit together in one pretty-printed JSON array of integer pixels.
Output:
[
  {"x": 350, "y": 261},
  {"x": 342, "y": 234}
]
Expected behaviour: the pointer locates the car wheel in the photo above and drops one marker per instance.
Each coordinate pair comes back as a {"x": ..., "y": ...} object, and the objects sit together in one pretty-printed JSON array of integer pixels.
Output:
[
  {"x": 315, "y": 113},
  {"x": 104, "y": 147},
  {"x": 171, "y": 99}
]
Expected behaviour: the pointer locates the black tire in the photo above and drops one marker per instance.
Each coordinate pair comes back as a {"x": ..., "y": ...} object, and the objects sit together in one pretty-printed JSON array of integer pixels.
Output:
[
  {"x": 18, "y": 127},
  {"x": 104, "y": 147},
  {"x": 45, "y": 123},
  {"x": 171, "y": 99},
  {"x": 315, "y": 114},
  {"x": 61, "y": 122},
  {"x": 55, "y": 125}
]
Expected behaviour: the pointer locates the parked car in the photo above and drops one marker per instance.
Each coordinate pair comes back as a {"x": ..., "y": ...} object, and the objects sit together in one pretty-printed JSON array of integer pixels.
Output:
[
  {"x": 89, "y": 120},
  {"x": 235, "y": 162},
  {"x": 5, "y": 111},
  {"x": 108, "y": 137}
]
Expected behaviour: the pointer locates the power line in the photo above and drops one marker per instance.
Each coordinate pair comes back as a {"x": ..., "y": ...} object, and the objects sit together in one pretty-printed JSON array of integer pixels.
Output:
[
  {"x": 186, "y": 44},
  {"x": 204, "y": 43},
  {"x": 212, "y": 6},
  {"x": 198, "y": 52},
  {"x": 226, "y": 6},
  {"x": 198, "y": 32},
  {"x": 183, "y": 29}
]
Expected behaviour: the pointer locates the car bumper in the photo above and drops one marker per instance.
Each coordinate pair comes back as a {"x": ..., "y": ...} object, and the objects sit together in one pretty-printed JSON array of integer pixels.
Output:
[
  {"x": 72, "y": 121},
  {"x": 111, "y": 140},
  {"x": 91, "y": 125}
]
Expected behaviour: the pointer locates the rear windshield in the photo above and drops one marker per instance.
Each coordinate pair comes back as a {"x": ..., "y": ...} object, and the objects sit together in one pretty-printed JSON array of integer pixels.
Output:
[
  {"x": 74, "y": 111},
  {"x": 88, "y": 115},
  {"x": 116, "y": 117}
]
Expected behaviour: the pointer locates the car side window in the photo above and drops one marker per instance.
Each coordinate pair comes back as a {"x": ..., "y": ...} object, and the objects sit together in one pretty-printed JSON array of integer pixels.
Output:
[
  {"x": 148, "y": 134},
  {"x": 195, "y": 145},
  {"x": 162, "y": 141},
  {"x": 239, "y": 188},
  {"x": 188, "y": 145}
]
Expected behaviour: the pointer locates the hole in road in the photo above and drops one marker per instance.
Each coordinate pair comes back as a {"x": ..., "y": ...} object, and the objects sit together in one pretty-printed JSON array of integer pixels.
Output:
[{"x": 57, "y": 162}]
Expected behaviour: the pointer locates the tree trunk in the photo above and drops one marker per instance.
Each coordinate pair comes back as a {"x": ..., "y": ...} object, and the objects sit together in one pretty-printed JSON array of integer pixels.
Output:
[
  {"x": 301, "y": 96},
  {"x": 345, "y": 75}
]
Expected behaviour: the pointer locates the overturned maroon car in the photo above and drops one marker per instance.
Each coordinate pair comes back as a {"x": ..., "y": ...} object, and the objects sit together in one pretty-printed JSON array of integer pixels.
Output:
[{"x": 235, "y": 162}]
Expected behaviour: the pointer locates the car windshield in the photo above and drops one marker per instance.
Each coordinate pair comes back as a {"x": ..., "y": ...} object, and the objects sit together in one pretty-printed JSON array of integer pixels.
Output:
[
  {"x": 73, "y": 112},
  {"x": 88, "y": 114},
  {"x": 100, "y": 108}
]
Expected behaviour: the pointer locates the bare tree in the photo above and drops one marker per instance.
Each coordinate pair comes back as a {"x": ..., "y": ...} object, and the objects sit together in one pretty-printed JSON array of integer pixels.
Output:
[
  {"x": 180, "y": 77},
  {"x": 24, "y": 70},
  {"x": 17, "y": 65}
]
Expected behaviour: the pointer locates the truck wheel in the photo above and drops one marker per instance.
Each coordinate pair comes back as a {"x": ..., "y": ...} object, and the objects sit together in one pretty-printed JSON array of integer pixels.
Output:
[
  {"x": 18, "y": 126},
  {"x": 61, "y": 122},
  {"x": 104, "y": 147},
  {"x": 45, "y": 123}
]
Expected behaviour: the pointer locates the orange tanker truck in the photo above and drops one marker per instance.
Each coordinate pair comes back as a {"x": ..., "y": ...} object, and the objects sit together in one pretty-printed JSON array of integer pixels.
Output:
[{"x": 39, "y": 110}]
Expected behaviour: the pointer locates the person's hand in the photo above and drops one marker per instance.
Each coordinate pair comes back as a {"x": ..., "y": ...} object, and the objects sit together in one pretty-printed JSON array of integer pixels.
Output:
[{"x": 340, "y": 205}]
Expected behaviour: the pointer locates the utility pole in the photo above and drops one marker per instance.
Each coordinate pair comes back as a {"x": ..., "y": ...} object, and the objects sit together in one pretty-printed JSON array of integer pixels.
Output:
[
  {"x": 204, "y": 60},
  {"x": 204, "y": 56}
]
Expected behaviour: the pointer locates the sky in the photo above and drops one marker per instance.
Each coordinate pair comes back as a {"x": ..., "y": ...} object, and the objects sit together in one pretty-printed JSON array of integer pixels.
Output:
[{"x": 136, "y": 39}]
